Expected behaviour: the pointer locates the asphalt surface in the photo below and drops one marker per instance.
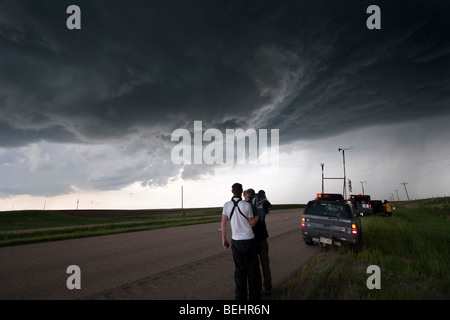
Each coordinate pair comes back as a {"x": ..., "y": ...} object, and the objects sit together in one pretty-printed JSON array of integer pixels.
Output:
[{"x": 177, "y": 263}]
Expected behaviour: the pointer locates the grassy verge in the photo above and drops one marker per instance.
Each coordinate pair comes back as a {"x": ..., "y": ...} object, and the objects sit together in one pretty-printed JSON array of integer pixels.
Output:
[
  {"x": 20, "y": 227},
  {"x": 412, "y": 249},
  {"x": 71, "y": 232}
]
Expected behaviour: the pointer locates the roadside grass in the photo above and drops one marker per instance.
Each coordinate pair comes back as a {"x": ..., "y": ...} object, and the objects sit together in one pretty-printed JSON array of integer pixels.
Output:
[
  {"x": 412, "y": 249},
  {"x": 35, "y": 219},
  {"x": 20, "y": 227},
  {"x": 29, "y": 226},
  {"x": 32, "y": 236}
]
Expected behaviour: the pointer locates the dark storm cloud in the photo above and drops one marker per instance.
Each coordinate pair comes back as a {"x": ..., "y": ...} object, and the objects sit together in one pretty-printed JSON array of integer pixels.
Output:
[
  {"x": 292, "y": 65},
  {"x": 397, "y": 74},
  {"x": 309, "y": 68},
  {"x": 12, "y": 137}
]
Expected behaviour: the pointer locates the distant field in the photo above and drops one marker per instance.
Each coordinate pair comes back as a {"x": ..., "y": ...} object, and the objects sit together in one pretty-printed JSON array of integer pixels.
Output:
[
  {"x": 412, "y": 249},
  {"x": 18, "y": 227}
]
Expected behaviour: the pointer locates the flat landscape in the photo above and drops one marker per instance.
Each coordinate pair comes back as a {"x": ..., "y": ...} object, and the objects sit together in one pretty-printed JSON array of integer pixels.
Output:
[
  {"x": 186, "y": 262},
  {"x": 170, "y": 255}
]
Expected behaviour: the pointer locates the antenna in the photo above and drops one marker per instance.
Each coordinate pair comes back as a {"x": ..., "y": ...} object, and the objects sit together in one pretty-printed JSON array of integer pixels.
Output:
[
  {"x": 345, "y": 177},
  {"x": 322, "y": 164}
]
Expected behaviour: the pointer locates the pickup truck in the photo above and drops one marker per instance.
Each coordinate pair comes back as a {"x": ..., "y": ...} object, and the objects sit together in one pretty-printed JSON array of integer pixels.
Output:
[
  {"x": 330, "y": 220},
  {"x": 362, "y": 203}
]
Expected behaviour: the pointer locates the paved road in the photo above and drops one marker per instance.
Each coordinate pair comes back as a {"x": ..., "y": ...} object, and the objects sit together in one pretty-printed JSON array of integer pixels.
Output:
[{"x": 177, "y": 263}]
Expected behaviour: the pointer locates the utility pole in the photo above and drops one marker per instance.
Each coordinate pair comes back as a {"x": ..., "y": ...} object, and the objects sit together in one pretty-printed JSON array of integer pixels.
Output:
[
  {"x": 397, "y": 195},
  {"x": 182, "y": 206},
  {"x": 362, "y": 186},
  {"x": 345, "y": 177},
  {"x": 404, "y": 184},
  {"x": 322, "y": 164}
]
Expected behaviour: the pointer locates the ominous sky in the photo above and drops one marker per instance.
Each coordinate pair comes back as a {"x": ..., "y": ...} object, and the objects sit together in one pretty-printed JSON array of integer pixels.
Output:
[{"x": 88, "y": 114}]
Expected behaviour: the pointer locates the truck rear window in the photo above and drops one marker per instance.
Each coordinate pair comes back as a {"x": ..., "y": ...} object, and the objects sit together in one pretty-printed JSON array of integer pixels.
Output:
[{"x": 339, "y": 210}]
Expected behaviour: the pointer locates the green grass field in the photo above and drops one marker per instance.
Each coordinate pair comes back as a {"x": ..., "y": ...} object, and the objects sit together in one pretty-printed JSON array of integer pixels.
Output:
[
  {"x": 412, "y": 249},
  {"x": 20, "y": 227}
]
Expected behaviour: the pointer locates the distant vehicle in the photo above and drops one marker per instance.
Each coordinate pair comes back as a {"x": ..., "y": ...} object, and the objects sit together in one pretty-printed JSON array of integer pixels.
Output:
[
  {"x": 362, "y": 203},
  {"x": 377, "y": 206},
  {"x": 330, "y": 220}
]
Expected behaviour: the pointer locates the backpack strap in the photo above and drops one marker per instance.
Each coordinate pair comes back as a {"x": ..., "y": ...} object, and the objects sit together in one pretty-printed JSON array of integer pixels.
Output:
[{"x": 236, "y": 206}]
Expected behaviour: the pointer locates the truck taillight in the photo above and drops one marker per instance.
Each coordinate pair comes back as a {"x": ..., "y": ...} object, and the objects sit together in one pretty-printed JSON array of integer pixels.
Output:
[
  {"x": 303, "y": 222},
  {"x": 354, "y": 231}
]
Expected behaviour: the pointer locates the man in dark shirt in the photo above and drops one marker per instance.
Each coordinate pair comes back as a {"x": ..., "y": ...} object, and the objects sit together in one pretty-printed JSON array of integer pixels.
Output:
[{"x": 261, "y": 206}]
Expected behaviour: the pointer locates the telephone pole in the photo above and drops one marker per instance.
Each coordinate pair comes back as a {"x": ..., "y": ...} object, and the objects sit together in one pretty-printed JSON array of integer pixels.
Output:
[
  {"x": 182, "y": 205},
  {"x": 397, "y": 195},
  {"x": 404, "y": 184},
  {"x": 362, "y": 186}
]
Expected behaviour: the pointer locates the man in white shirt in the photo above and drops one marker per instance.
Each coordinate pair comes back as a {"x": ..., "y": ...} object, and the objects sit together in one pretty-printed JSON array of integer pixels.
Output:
[{"x": 243, "y": 244}]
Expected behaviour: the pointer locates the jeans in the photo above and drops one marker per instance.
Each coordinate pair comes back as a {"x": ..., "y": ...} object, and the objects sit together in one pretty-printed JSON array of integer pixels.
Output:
[{"x": 246, "y": 264}]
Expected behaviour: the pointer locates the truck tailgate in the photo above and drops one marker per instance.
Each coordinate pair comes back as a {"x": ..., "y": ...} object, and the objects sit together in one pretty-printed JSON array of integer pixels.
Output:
[{"x": 328, "y": 227}]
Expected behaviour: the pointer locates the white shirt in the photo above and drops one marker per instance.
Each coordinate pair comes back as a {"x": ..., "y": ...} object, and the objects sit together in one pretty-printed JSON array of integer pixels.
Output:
[{"x": 240, "y": 227}]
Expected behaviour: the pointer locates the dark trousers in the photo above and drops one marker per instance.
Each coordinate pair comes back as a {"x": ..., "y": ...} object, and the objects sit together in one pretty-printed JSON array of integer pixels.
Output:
[
  {"x": 263, "y": 253},
  {"x": 246, "y": 264}
]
